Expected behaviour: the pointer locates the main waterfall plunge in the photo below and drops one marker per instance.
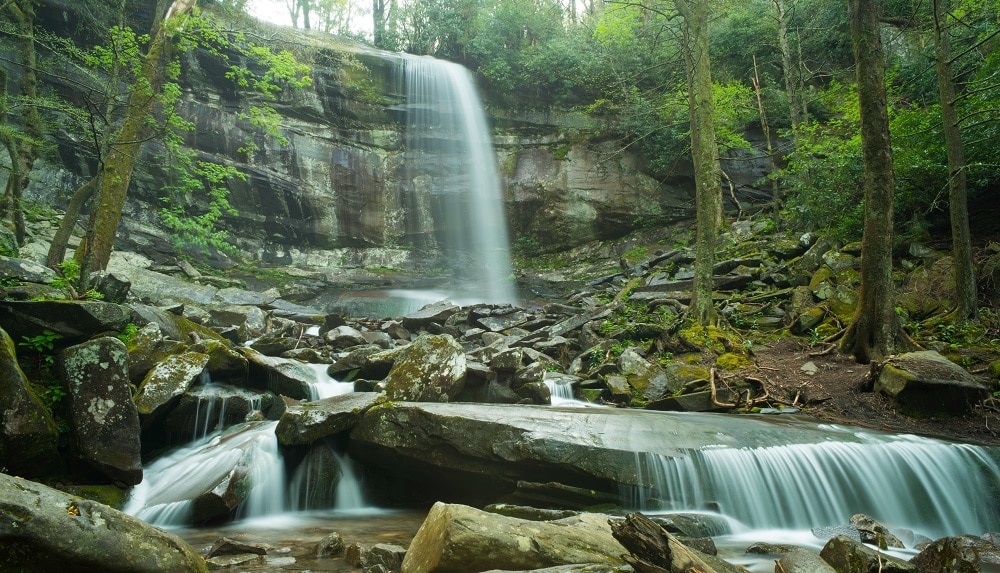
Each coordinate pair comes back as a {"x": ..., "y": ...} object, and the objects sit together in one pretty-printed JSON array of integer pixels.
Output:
[{"x": 450, "y": 157}]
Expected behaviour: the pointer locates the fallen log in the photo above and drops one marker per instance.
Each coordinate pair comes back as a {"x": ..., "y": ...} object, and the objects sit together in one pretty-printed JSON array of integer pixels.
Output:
[{"x": 653, "y": 549}]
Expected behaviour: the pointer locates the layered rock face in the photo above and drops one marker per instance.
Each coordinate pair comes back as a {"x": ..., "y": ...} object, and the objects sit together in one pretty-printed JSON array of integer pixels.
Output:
[{"x": 340, "y": 192}]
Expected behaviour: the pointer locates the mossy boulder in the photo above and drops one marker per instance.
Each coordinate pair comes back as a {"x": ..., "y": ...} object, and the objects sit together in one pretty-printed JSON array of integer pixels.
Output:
[
  {"x": 307, "y": 422},
  {"x": 431, "y": 369},
  {"x": 28, "y": 435},
  {"x": 166, "y": 382},
  {"x": 103, "y": 419},
  {"x": 44, "y": 530},
  {"x": 926, "y": 384},
  {"x": 148, "y": 348},
  {"x": 648, "y": 380},
  {"x": 846, "y": 555}
]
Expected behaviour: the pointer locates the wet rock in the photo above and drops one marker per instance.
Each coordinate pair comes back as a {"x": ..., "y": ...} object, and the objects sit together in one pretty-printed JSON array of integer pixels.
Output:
[
  {"x": 281, "y": 375},
  {"x": 798, "y": 560},
  {"x": 204, "y": 409},
  {"x": 461, "y": 538},
  {"x": 764, "y": 548},
  {"x": 692, "y": 525},
  {"x": 273, "y": 345},
  {"x": 330, "y": 546},
  {"x": 28, "y": 435},
  {"x": 47, "y": 530},
  {"x": 225, "y": 363},
  {"x": 874, "y": 533},
  {"x": 230, "y": 561},
  {"x": 345, "y": 337},
  {"x": 307, "y": 422},
  {"x": 845, "y": 554},
  {"x": 358, "y": 361},
  {"x": 433, "y": 313},
  {"x": 102, "y": 416},
  {"x": 576, "y": 568},
  {"x": 386, "y": 555},
  {"x": 431, "y": 369},
  {"x": 529, "y": 513},
  {"x": 354, "y": 554},
  {"x": 959, "y": 554},
  {"x": 924, "y": 384},
  {"x": 230, "y": 546},
  {"x": 166, "y": 382},
  {"x": 502, "y": 322}
]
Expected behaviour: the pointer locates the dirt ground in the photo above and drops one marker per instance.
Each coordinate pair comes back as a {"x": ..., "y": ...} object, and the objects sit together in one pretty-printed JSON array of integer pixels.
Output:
[{"x": 834, "y": 392}]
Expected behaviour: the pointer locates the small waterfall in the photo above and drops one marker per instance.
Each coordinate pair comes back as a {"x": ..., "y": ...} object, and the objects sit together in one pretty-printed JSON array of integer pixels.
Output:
[
  {"x": 560, "y": 390},
  {"x": 324, "y": 386},
  {"x": 449, "y": 156},
  {"x": 326, "y": 479},
  {"x": 904, "y": 481},
  {"x": 210, "y": 413},
  {"x": 247, "y": 453}
]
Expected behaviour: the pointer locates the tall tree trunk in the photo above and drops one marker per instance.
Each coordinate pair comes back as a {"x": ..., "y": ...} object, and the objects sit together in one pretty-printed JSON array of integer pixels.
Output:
[
  {"x": 124, "y": 151},
  {"x": 791, "y": 88},
  {"x": 961, "y": 239},
  {"x": 23, "y": 12},
  {"x": 378, "y": 23},
  {"x": 704, "y": 152},
  {"x": 874, "y": 331}
]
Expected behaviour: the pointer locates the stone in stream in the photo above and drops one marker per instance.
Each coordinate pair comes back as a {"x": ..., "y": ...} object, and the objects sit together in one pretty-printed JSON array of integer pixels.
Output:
[
  {"x": 330, "y": 546},
  {"x": 46, "y": 530},
  {"x": 959, "y": 554},
  {"x": 455, "y": 538},
  {"x": 846, "y": 555},
  {"x": 166, "y": 382},
  {"x": 799, "y": 560},
  {"x": 307, "y": 422}
]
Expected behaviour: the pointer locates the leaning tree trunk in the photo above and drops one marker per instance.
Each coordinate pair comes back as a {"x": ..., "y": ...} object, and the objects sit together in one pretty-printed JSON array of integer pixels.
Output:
[
  {"x": 705, "y": 153},
  {"x": 60, "y": 241},
  {"x": 124, "y": 151},
  {"x": 874, "y": 331},
  {"x": 961, "y": 238}
]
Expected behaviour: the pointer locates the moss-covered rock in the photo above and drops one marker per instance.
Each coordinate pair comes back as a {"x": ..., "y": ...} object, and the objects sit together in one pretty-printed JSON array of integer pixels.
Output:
[
  {"x": 166, "y": 382},
  {"x": 28, "y": 435},
  {"x": 431, "y": 369},
  {"x": 925, "y": 383}
]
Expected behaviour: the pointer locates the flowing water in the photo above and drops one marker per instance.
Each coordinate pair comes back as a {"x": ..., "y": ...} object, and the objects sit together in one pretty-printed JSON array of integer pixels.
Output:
[{"x": 450, "y": 158}]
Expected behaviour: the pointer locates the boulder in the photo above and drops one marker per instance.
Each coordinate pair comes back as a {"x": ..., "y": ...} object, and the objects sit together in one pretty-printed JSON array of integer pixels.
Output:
[
  {"x": 925, "y": 384},
  {"x": 646, "y": 378},
  {"x": 330, "y": 546},
  {"x": 166, "y": 382},
  {"x": 798, "y": 560},
  {"x": 28, "y": 434},
  {"x": 345, "y": 337},
  {"x": 875, "y": 533},
  {"x": 437, "y": 312},
  {"x": 846, "y": 555},
  {"x": 148, "y": 348},
  {"x": 203, "y": 409},
  {"x": 281, "y": 375},
  {"x": 306, "y": 422},
  {"x": 74, "y": 321},
  {"x": 47, "y": 530},
  {"x": 431, "y": 369},
  {"x": 458, "y": 538},
  {"x": 113, "y": 287},
  {"x": 959, "y": 554},
  {"x": 385, "y": 554},
  {"x": 103, "y": 418},
  {"x": 225, "y": 363},
  {"x": 25, "y": 270}
]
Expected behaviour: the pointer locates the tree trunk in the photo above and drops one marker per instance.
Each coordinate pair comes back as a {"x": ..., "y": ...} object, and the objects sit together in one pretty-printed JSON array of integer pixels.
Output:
[
  {"x": 57, "y": 250},
  {"x": 124, "y": 151},
  {"x": 378, "y": 22},
  {"x": 704, "y": 152},
  {"x": 654, "y": 549},
  {"x": 23, "y": 12},
  {"x": 961, "y": 239},
  {"x": 874, "y": 331},
  {"x": 787, "y": 65}
]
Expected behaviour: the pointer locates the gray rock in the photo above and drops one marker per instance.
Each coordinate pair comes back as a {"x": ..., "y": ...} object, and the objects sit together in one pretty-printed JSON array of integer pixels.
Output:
[
  {"x": 437, "y": 312},
  {"x": 646, "y": 378},
  {"x": 845, "y": 554},
  {"x": 25, "y": 270},
  {"x": 431, "y": 369},
  {"x": 874, "y": 533},
  {"x": 330, "y": 546},
  {"x": 73, "y": 321},
  {"x": 958, "y": 554},
  {"x": 102, "y": 416},
  {"x": 385, "y": 554},
  {"x": 166, "y": 382},
  {"x": 461, "y": 538},
  {"x": 281, "y": 375},
  {"x": 47, "y": 530},
  {"x": 308, "y": 422},
  {"x": 798, "y": 560},
  {"x": 28, "y": 435},
  {"x": 114, "y": 287},
  {"x": 926, "y": 384},
  {"x": 230, "y": 546},
  {"x": 345, "y": 337}
]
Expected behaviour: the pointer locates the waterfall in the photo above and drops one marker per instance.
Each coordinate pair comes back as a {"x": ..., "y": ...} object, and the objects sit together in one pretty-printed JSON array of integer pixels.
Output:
[
  {"x": 450, "y": 158},
  {"x": 903, "y": 481},
  {"x": 324, "y": 386},
  {"x": 326, "y": 479}
]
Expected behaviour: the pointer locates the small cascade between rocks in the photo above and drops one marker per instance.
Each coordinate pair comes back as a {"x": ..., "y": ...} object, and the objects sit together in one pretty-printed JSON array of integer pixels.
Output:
[
  {"x": 929, "y": 486},
  {"x": 450, "y": 157},
  {"x": 324, "y": 386}
]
